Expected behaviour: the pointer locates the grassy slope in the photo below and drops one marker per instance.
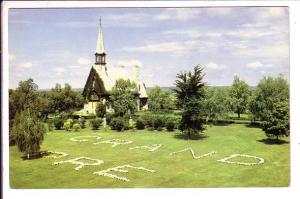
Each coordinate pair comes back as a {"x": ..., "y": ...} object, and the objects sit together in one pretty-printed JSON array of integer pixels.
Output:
[{"x": 180, "y": 170}]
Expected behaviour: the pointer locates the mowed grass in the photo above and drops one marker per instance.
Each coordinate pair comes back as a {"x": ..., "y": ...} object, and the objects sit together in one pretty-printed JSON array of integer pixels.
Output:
[{"x": 179, "y": 170}]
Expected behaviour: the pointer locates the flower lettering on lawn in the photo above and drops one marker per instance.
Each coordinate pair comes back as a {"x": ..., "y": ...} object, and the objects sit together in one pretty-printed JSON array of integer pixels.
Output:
[
  {"x": 150, "y": 148},
  {"x": 121, "y": 169},
  {"x": 58, "y": 154},
  {"x": 226, "y": 160},
  {"x": 114, "y": 142},
  {"x": 193, "y": 153},
  {"x": 81, "y": 164},
  {"x": 83, "y": 138}
]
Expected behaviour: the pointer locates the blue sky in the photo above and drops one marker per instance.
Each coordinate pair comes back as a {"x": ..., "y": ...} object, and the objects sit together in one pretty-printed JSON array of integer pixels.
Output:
[{"x": 58, "y": 45}]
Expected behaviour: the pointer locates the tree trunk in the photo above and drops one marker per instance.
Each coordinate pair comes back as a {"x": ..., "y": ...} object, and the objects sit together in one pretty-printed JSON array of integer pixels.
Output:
[
  {"x": 28, "y": 156},
  {"x": 189, "y": 134},
  {"x": 239, "y": 114}
]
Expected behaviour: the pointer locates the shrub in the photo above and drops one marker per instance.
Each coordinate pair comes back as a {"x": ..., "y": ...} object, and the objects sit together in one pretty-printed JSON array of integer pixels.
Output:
[
  {"x": 160, "y": 128},
  {"x": 96, "y": 123},
  {"x": 68, "y": 124},
  {"x": 76, "y": 127},
  {"x": 119, "y": 124},
  {"x": 170, "y": 125},
  {"x": 100, "y": 110},
  {"x": 148, "y": 119},
  {"x": 157, "y": 123},
  {"x": 109, "y": 117},
  {"x": 140, "y": 124},
  {"x": 58, "y": 123}
]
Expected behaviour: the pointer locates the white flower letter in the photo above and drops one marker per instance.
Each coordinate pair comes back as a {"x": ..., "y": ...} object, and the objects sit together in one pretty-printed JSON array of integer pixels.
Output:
[
  {"x": 115, "y": 142},
  {"x": 121, "y": 170},
  {"x": 81, "y": 164},
  {"x": 150, "y": 148},
  {"x": 193, "y": 153},
  {"x": 226, "y": 160}
]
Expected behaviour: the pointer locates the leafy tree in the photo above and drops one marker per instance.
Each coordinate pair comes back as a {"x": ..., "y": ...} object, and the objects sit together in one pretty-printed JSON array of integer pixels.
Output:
[
  {"x": 269, "y": 91},
  {"x": 216, "y": 103},
  {"x": 239, "y": 94},
  {"x": 123, "y": 97},
  {"x": 160, "y": 100},
  {"x": 100, "y": 110},
  {"x": 190, "y": 94},
  {"x": 277, "y": 120},
  {"x": 28, "y": 132},
  {"x": 25, "y": 97},
  {"x": 64, "y": 99}
]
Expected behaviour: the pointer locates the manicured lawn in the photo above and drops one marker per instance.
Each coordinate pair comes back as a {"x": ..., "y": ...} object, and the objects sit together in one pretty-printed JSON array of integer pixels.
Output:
[{"x": 179, "y": 170}]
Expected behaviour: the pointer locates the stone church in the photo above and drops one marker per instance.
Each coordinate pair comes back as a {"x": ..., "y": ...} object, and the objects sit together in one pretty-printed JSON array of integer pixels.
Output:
[{"x": 103, "y": 77}]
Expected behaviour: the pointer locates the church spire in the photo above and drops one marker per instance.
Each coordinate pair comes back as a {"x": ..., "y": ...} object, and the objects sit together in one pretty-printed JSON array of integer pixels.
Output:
[{"x": 100, "y": 52}]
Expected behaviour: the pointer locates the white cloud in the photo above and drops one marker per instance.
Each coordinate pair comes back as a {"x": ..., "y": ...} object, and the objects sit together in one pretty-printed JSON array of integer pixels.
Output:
[
  {"x": 130, "y": 62},
  {"x": 214, "y": 66},
  {"x": 158, "y": 47},
  {"x": 25, "y": 65},
  {"x": 74, "y": 66},
  {"x": 184, "y": 14},
  {"x": 83, "y": 61},
  {"x": 272, "y": 12},
  {"x": 258, "y": 64},
  {"x": 181, "y": 14},
  {"x": 60, "y": 70},
  {"x": 275, "y": 51},
  {"x": 11, "y": 57}
]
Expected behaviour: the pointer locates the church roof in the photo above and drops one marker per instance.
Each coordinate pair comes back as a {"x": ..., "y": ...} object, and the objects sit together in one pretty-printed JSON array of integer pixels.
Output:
[
  {"x": 109, "y": 75},
  {"x": 100, "y": 41}
]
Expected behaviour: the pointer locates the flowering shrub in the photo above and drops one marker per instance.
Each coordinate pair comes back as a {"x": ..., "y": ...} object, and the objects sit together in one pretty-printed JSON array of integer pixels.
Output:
[
  {"x": 121, "y": 170},
  {"x": 81, "y": 164},
  {"x": 76, "y": 127},
  {"x": 226, "y": 160},
  {"x": 193, "y": 153},
  {"x": 68, "y": 124}
]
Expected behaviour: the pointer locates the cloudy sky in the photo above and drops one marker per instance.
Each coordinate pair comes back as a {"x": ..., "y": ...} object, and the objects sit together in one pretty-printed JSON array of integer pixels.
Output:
[{"x": 58, "y": 45}]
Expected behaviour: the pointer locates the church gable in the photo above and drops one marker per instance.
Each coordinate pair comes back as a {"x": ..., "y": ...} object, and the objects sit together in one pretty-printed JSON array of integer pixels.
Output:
[{"x": 94, "y": 88}]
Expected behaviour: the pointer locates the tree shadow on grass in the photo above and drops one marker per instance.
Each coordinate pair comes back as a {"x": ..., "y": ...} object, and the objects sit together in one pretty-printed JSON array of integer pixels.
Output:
[
  {"x": 193, "y": 136},
  {"x": 36, "y": 155},
  {"x": 273, "y": 141}
]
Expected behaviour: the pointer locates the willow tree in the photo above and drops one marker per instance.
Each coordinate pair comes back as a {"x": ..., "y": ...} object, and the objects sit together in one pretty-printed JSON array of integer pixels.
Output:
[
  {"x": 28, "y": 132},
  {"x": 190, "y": 94}
]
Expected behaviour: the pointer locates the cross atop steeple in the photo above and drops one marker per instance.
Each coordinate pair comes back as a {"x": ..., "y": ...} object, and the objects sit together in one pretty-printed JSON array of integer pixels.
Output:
[{"x": 100, "y": 52}]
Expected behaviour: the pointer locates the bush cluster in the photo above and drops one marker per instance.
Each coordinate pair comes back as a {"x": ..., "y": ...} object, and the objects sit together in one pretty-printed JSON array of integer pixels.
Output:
[
  {"x": 96, "y": 123},
  {"x": 156, "y": 122},
  {"x": 119, "y": 124}
]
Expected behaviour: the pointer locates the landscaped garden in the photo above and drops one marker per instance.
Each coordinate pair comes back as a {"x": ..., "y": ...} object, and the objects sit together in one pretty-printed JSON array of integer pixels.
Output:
[
  {"x": 170, "y": 170},
  {"x": 193, "y": 137}
]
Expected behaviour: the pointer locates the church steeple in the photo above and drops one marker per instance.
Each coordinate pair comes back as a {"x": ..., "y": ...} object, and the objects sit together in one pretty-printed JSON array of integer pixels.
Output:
[{"x": 100, "y": 52}]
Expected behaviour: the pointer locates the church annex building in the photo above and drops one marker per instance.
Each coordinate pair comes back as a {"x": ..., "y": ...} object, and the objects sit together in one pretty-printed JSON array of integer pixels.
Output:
[{"x": 103, "y": 77}]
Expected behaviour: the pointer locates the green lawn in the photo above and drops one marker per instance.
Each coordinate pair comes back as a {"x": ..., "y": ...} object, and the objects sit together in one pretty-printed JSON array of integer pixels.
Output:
[{"x": 179, "y": 170}]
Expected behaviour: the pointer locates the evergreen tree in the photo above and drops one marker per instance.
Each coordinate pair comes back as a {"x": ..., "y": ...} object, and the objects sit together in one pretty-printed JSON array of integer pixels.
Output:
[{"x": 190, "y": 94}]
